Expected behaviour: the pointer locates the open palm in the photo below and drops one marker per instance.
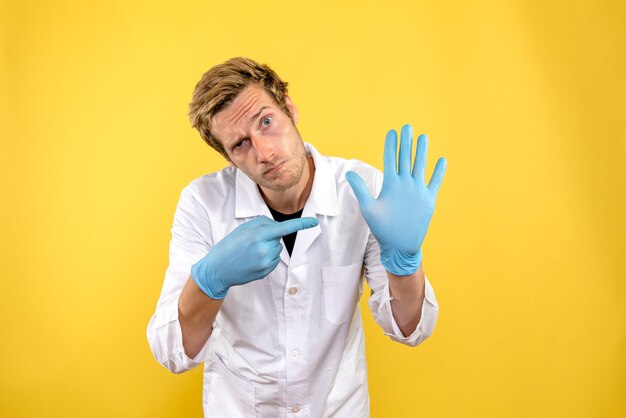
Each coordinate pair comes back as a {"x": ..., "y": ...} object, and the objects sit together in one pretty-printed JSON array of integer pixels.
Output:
[{"x": 400, "y": 215}]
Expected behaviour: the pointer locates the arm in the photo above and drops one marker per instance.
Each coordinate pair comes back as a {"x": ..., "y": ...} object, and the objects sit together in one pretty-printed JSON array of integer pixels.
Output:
[
  {"x": 407, "y": 294},
  {"x": 250, "y": 252},
  {"x": 196, "y": 311},
  {"x": 399, "y": 218},
  {"x": 180, "y": 330},
  {"x": 383, "y": 303},
  {"x": 191, "y": 241}
]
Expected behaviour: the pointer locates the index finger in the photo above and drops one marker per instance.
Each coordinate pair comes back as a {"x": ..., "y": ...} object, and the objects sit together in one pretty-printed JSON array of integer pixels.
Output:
[{"x": 280, "y": 229}]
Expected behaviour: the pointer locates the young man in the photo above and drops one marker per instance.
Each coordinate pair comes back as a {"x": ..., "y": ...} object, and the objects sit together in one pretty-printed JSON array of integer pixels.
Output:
[{"x": 267, "y": 257}]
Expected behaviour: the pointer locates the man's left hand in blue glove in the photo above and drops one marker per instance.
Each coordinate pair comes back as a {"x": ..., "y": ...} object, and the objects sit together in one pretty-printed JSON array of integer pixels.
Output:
[{"x": 399, "y": 217}]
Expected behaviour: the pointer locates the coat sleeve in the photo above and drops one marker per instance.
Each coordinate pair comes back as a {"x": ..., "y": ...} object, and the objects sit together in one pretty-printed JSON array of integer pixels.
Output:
[
  {"x": 380, "y": 299},
  {"x": 191, "y": 240}
]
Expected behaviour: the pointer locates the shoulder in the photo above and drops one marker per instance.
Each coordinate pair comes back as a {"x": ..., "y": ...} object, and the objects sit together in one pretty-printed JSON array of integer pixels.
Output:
[
  {"x": 212, "y": 188},
  {"x": 220, "y": 180},
  {"x": 340, "y": 166}
]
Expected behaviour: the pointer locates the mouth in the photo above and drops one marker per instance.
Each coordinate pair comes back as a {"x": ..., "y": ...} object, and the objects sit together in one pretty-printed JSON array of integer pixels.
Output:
[{"x": 274, "y": 170}]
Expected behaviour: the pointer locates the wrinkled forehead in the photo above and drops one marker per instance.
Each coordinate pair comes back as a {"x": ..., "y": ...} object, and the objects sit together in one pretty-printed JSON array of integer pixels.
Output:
[{"x": 239, "y": 112}]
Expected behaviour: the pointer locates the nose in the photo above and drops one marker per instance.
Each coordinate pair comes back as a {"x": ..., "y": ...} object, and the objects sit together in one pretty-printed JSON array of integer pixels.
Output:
[{"x": 264, "y": 149}]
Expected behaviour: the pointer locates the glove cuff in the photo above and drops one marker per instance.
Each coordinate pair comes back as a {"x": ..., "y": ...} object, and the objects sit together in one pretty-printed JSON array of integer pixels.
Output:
[
  {"x": 207, "y": 282},
  {"x": 400, "y": 263}
]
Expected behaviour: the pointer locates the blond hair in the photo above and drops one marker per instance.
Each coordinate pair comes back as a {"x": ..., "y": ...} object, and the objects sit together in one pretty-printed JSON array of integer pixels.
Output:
[{"x": 219, "y": 86}]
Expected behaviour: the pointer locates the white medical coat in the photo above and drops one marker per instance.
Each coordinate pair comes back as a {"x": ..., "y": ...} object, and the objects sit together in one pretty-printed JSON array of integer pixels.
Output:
[{"x": 290, "y": 344}]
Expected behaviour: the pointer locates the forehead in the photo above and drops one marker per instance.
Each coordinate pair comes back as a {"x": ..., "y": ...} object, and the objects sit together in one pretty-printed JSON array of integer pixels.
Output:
[{"x": 237, "y": 114}]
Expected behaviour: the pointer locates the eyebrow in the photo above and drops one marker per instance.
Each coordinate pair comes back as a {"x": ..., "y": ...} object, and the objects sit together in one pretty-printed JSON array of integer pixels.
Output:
[{"x": 256, "y": 115}]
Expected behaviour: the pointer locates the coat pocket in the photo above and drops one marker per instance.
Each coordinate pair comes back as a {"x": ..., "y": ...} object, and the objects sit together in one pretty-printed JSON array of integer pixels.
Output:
[
  {"x": 341, "y": 291},
  {"x": 229, "y": 394}
]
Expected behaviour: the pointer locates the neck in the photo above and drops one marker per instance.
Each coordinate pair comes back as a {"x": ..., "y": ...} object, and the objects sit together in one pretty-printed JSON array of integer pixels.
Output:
[{"x": 292, "y": 200}]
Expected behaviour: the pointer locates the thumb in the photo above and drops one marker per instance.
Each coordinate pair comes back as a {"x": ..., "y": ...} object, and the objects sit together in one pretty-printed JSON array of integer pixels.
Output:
[{"x": 360, "y": 190}]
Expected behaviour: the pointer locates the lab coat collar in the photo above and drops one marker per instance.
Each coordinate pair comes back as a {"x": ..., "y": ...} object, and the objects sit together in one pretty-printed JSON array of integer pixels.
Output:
[{"x": 322, "y": 200}]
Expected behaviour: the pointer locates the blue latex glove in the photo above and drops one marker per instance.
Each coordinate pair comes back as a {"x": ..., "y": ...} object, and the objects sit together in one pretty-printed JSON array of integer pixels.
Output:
[
  {"x": 400, "y": 216},
  {"x": 250, "y": 252}
]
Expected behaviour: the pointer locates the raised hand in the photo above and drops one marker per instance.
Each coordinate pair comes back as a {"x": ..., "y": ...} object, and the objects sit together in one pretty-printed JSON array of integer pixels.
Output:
[
  {"x": 400, "y": 216},
  {"x": 250, "y": 252}
]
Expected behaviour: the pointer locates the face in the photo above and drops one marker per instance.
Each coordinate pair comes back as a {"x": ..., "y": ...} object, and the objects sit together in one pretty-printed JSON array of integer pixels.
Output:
[{"x": 261, "y": 140}]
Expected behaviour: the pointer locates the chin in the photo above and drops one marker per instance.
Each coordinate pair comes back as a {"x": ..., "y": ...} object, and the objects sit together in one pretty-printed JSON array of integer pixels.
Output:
[{"x": 280, "y": 185}]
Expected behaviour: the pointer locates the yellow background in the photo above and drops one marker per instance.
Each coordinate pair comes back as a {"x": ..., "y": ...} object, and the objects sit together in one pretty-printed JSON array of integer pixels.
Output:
[{"x": 526, "y": 250}]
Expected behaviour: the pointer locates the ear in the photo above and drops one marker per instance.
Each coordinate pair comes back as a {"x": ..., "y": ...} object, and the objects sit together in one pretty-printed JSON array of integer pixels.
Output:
[{"x": 292, "y": 108}]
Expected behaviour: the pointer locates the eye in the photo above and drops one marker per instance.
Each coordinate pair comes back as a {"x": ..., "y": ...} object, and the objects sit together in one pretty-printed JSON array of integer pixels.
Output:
[
  {"x": 240, "y": 143},
  {"x": 266, "y": 121}
]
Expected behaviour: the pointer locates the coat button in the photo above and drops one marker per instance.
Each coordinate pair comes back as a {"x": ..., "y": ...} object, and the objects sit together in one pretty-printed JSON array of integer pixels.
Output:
[
  {"x": 293, "y": 290},
  {"x": 295, "y": 409}
]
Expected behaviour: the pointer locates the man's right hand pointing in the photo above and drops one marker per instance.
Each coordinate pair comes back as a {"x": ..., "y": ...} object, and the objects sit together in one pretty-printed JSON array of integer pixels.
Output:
[{"x": 250, "y": 252}]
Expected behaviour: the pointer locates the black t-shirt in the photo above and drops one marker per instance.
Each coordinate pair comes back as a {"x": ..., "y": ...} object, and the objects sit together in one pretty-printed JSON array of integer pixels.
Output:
[{"x": 290, "y": 239}]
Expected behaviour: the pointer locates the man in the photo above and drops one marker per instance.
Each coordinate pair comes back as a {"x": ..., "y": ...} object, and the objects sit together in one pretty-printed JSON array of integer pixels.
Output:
[{"x": 267, "y": 256}]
